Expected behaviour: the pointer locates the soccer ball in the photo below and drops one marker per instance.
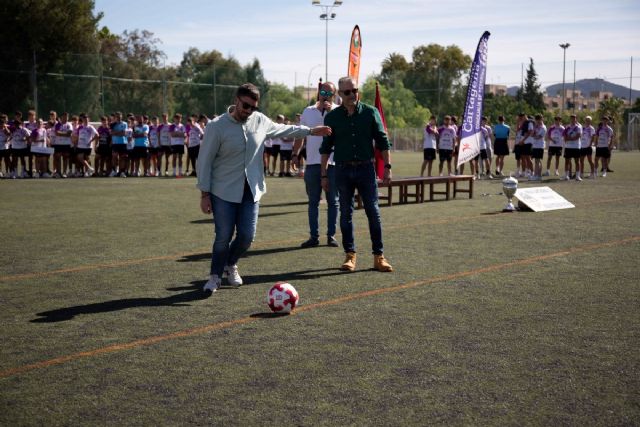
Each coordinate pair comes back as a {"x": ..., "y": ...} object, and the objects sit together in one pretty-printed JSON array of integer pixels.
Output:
[{"x": 282, "y": 298}]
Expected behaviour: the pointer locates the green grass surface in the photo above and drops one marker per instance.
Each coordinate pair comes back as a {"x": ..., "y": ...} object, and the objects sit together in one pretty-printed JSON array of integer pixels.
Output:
[{"x": 490, "y": 318}]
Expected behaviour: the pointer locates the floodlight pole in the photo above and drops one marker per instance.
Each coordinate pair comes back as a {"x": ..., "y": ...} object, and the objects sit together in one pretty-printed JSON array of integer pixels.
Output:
[
  {"x": 327, "y": 16},
  {"x": 564, "y": 47}
]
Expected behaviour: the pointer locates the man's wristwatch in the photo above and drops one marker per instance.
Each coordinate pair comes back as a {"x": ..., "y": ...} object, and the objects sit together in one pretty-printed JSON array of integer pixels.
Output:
[{"x": 387, "y": 166}]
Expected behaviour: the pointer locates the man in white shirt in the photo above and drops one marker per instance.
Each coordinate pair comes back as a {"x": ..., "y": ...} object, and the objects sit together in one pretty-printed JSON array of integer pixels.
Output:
[
  {"x": 231, "y": 178},
  {"x": 572, "y": 136},
  {"x": 314, "y": 116}
]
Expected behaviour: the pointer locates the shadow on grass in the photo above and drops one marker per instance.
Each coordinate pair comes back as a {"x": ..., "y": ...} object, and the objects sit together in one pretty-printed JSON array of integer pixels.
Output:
[
  {"x": 261, "y": 215},
  {"x": 206, "y": 256},
  {"x": 193, "y": 293},
  {"x": 268, "y": 315},
  {"x": 274, "y": 205}
]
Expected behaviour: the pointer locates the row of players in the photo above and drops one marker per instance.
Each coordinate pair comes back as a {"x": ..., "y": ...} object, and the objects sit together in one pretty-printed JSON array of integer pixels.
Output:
[
  {"x": 133, "y": 147},
  {"x": 531, "y": 138}
]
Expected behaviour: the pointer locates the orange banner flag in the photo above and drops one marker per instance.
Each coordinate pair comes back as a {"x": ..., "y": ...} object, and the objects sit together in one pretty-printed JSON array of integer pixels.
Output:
[{"x": 355, "y": 46}]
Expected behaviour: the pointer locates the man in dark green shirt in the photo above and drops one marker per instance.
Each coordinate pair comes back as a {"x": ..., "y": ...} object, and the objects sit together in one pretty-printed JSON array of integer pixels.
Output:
[{"x": 355, "y": 128}]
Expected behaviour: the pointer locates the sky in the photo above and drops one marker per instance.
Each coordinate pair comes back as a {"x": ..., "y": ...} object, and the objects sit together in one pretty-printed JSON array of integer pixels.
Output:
[{"x": 288, "y": 37}]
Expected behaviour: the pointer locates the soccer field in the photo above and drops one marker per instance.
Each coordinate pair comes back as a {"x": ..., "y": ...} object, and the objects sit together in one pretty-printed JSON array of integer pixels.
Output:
[{"x": 489, "y": 318}]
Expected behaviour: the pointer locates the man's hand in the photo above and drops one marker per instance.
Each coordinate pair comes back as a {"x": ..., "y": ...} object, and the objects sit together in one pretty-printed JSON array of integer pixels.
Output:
[
  {"x": 320, "y": 131},
  {"x": 386, "y": 177},
  {"x": 205, "y": 204},
  {"x": 325, "y": 183}
]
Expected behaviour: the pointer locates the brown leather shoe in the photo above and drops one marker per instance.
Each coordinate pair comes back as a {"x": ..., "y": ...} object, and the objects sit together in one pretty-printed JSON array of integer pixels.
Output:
[
  {"x": 349, "y": 263},
  {"x": 381, "y": 264}
]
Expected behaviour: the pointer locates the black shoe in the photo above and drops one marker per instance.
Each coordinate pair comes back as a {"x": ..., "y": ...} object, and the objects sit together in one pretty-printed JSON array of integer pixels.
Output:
[
  {"x": 281, "y": 174},
  {"x": 331, "y": 241},
  {"x": 609, "y": 170},
  {"x": 312, "y": 242}
]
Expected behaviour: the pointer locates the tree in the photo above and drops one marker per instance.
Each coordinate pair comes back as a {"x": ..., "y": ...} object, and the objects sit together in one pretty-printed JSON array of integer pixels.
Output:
[
  {"x": 614, "y": 108},
  {"x": 46, "y": 30},
  {"x": 401, "y": 108},
  {"x": 531, "y": 93},
  {"x": 435, "y": 75},
  {"x": 394, "y": 68},
  {"x": 281, "y": 100}
]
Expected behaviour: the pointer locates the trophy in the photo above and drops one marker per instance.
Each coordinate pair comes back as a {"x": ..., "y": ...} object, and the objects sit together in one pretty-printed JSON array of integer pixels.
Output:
[{"x": 509, "y": 187}]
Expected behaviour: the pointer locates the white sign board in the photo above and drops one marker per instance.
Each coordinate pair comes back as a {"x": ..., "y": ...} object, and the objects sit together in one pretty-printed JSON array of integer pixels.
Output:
[{"x": 541, "y": 199}]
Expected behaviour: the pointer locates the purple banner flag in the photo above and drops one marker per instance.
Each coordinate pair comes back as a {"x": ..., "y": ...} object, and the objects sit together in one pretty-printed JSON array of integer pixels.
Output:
[{"x": 470, "y": 132}]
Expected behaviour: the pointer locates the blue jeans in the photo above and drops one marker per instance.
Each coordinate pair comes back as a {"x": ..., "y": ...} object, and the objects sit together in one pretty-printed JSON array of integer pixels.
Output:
[
  {"x": 361, "y": 177},
  {"x": 229, "y": 217},
  {"x": 313, "y": 184}
]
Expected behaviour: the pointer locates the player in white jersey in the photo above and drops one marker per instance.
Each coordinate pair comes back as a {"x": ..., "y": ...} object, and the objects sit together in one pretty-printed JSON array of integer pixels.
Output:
[
  {"x": 485, "y": 148},
  {"x": 429, "y": 146},
  {"x": 572, "y": 136},
  {"x": 446, "y": 144},
  {"x": 39, "y": 141},
  {"x": 31, "y": 125},
  {"x": 286, "y": 152},
  {"x": 537, "y": 147},
  {"x": 586, "y": 142},
  {"x": 5, "y": 150},
  {"x": 165, "y": 144},
  {"x": 20, "y": 142},
  {"x": 87, "y": 136},
  {"x": 178, "y": 133},
  {"x": 555, "y": 136},
  {"x": 604, "y": 145},
  {"x": 195, "y": 137},
  {"x": 62, "y": 146},
  {"x": 154, "y": 147}
]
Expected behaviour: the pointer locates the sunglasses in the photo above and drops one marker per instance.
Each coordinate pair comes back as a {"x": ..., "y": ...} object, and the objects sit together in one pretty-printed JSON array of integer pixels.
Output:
[
  {"x": 247, "y": 106},
  {"x": 326, "y": 93},
  {"x": 348, "y": 92}
]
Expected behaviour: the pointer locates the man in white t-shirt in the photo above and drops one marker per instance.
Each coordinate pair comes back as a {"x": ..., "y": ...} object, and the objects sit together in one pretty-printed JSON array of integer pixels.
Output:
[
  {"x": 314, "y": 116},
  {"x": 62, "y": 146},
  {"x": 178, "y": 133}
]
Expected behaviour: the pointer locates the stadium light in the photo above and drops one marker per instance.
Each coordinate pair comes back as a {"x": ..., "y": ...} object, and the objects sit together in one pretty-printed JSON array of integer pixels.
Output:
[
  {"x": 564, "y": 47},
  {"x": 327, "y": 16}
]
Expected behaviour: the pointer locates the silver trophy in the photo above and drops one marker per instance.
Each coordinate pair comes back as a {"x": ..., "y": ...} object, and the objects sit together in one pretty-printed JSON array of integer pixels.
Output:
[{"x": 509, "y": 187}]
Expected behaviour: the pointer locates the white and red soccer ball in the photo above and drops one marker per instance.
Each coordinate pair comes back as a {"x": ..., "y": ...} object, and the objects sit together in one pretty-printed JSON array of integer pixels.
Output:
[{"x": 282, "y": 298}]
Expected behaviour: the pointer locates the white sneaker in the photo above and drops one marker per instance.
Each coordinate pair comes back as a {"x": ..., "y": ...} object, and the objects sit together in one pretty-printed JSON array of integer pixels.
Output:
[
  {"x": 212, "y": 284},
  {"x": 123, "y": 175},
  {"x": 233, "y": 277},
  {"x": 557, "y": 173},
  {"x": 604, "y": 173},
  {"x": 113, "y": 173},
  {"x": 578, "y": 178}
]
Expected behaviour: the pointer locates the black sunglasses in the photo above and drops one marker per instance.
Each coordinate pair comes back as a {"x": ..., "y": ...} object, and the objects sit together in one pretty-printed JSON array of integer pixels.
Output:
[
  {"x": 326, "y": 93},
  {"x": 348, "y": 92},
  {"x": 247, "y": 106}
]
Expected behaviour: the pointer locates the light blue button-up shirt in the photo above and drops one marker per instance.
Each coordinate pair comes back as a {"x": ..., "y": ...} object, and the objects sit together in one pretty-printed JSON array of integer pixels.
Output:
[{"x": 231, "y": 151}]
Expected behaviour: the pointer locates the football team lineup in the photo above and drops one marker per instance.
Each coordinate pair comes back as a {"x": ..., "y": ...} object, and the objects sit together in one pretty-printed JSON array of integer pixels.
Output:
[{"x": 282, "y": 298}]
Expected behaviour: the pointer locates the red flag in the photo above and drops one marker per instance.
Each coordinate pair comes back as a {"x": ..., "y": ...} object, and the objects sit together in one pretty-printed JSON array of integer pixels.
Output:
[{"x": 377, "y": 152}]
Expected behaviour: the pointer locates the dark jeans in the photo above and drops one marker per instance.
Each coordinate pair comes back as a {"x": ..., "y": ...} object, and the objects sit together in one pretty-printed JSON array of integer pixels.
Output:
[
  {"x": 229, "y": 217},
  {"x": 363, "y": 178},
  {"x": 313, "y": 184}
]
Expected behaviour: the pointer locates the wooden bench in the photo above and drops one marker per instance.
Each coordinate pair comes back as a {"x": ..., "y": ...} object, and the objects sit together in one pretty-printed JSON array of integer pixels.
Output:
[{"x": 413, "y": 188}]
